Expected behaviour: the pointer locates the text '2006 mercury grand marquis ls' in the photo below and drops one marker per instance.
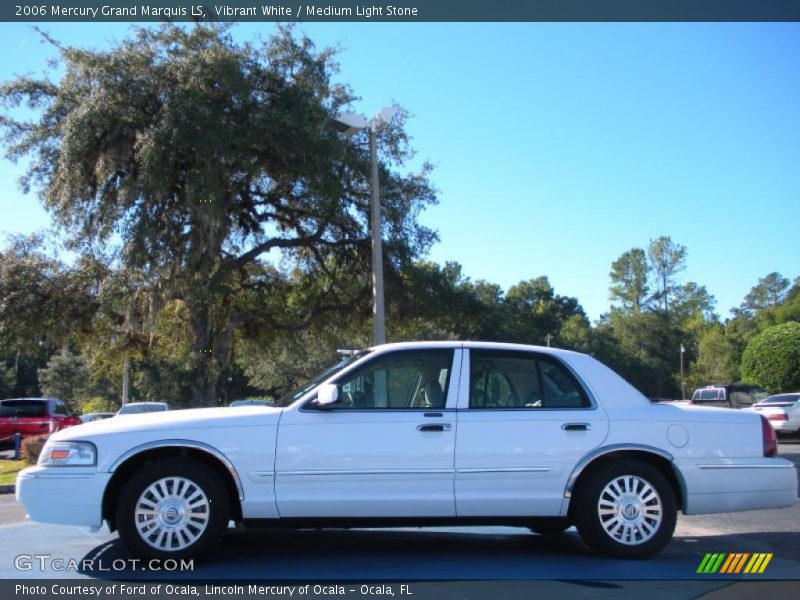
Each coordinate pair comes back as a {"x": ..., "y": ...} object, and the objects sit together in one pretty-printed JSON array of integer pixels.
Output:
[{"x": 417, "y": 433}]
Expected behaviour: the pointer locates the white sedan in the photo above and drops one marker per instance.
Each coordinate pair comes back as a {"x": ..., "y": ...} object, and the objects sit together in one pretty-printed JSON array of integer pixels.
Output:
[
  {"x": 782, "y": 411},
  {"x": 428, "y": 433}
]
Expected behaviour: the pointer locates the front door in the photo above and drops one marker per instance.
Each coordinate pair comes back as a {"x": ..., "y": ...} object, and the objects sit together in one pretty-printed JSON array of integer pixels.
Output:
[{"x": 386, "y": 447}]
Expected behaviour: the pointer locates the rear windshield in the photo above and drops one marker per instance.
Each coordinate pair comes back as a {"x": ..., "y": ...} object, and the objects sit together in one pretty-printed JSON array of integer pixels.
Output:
[
  {"x": 780, "y": 399},
  {"x": 712, "y": 394},
  {"x": 23, "y": 408}
]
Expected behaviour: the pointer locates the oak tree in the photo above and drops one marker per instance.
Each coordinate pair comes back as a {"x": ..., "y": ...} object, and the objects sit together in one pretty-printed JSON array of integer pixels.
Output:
[{"x": 188, "y": 157}]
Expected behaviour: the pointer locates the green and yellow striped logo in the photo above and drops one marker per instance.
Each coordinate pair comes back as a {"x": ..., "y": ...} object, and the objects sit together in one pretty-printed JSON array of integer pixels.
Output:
[{"x": 736, "y": 562}]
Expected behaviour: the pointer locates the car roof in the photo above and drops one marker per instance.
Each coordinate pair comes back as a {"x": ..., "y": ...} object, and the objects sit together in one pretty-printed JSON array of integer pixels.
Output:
[
  {"x": 143, "y": 403},
  {"x": 30, "y": 399},
  {"x": 469, "y": 344}
]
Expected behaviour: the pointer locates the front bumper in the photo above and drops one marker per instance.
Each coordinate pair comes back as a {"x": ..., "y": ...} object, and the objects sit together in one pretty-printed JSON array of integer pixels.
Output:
[{"x": 63, "y": 495}]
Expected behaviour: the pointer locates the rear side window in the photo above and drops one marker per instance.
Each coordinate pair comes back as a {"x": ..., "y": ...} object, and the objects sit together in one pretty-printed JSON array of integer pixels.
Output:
[
  {"x": 23, "y": 408},
  {"x": 519, "y": 380}
]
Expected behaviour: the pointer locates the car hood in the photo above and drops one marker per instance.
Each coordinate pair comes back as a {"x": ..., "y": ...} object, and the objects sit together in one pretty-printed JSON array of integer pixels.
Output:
[{"x": 195, "y": 418}]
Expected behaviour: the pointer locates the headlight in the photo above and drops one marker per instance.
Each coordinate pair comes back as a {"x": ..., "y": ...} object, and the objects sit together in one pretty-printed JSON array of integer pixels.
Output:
[{"x": 68, "y": 454}]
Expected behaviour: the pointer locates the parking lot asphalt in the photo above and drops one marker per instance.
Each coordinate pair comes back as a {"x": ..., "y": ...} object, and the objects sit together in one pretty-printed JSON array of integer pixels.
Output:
[{"x": 463, "y": 553}]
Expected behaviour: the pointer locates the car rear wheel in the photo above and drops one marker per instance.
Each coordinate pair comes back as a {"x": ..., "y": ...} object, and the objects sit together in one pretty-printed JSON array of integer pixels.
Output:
[
  {"x": 173, "y": 508},
  {"x": 625, "y": 509}
]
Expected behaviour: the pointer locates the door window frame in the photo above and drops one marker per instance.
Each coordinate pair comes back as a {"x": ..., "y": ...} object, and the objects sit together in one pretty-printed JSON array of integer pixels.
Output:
[
  {"x": 466, "y": 376},
  {"x": 453, "y": 383}
]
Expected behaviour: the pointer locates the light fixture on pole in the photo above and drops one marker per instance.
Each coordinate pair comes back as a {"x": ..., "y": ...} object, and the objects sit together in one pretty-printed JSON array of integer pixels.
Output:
[{"x": 350, "y": 124}]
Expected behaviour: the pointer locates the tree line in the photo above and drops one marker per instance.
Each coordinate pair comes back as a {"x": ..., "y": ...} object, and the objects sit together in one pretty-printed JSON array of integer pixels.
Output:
[
  {"x": 219, "y": 225},
  {"x": 66, "y": 329}
]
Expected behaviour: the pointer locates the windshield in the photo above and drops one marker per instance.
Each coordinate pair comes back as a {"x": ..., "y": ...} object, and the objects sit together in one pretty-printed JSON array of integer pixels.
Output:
[
  {"x": 306, "y": 387},
  {"x": 130, "y": 409}
]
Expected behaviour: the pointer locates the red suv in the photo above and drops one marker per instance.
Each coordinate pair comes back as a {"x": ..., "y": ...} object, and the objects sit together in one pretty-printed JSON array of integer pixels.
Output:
[{"x": 33, "y": 416}]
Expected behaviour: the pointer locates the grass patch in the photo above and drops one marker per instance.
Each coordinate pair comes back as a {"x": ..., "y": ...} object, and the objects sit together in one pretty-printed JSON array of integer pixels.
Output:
[{"x": 9, "y": 469}]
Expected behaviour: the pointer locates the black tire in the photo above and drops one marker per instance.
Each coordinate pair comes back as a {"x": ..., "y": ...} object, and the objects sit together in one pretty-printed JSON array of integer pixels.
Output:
[
  {"x": 192, "y": 516},
  {"x": 550, "y": 526},
  {"x": 628, "y": 528}
]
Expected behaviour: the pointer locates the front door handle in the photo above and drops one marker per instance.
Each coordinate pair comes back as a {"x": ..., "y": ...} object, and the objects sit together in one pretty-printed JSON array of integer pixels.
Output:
[
  {"x": 576, "y": 427},
  {"x": 432, "y": 427}
]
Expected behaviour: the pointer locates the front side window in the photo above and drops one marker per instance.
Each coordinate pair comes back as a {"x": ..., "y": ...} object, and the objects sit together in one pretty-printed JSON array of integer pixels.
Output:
[
  {"x": 404, "y": 379},
  {"x": 522, "y": 380},
  {"x": 314, "y": 381}
]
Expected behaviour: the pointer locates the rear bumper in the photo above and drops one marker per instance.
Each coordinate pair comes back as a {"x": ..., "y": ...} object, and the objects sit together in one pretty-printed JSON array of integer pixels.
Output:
[
  {"x": 63, "y": 495},
  {"x": 731, "y": 485},
  {"x": 785, "y": 426}
]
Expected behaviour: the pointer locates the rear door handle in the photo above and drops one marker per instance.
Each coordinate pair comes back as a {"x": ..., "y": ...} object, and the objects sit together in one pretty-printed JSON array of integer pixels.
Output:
[
  {"x": 431, "y": 427},
  {"x": 576, "y": 427}
]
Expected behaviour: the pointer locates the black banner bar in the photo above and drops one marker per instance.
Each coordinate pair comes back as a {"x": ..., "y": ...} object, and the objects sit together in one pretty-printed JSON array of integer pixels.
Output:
[
  {"x": 81, "y": 589},
  {"x": 399, "y": 10}
]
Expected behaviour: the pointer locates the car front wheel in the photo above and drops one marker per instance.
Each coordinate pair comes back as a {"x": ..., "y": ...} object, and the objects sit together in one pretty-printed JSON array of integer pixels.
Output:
[
  {"x": 625, "y": 509},
  {"x": 173, "y": 508}
]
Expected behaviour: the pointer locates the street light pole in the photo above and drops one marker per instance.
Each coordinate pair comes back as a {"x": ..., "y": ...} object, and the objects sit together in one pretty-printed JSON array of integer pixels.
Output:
[
  {"x": 379, "y": 327},
  {"x": 349, "y": 124},
  {"x": 683, "y": 383}
]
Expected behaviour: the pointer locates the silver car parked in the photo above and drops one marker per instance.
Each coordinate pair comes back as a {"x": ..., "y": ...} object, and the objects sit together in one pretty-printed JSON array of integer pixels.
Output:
[{"x": 783, "y": 412}]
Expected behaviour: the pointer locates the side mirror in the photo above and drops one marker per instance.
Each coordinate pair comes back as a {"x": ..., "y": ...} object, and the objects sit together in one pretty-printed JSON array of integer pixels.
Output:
[{"x": 327, "y": 394}]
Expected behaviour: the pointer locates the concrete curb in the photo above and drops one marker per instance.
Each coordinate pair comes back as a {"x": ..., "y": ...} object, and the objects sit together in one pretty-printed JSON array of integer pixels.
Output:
[{"x": 7, "y": 489}]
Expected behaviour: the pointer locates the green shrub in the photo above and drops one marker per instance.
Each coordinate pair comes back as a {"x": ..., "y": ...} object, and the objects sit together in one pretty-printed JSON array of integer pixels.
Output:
[
  {"x": 98, "y": 404},
  {"x": 772, "y": 359},
  {"x": 31, "y": 448}
]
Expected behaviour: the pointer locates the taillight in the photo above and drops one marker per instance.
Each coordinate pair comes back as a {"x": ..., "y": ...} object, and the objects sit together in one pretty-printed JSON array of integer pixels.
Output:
[
  {"x": 779, "y": 417},
  {"x": 769, "y": 438}
]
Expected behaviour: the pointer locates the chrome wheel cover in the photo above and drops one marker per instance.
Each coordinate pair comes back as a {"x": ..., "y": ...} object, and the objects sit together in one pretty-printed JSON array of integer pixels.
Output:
[
  {"x": 172, "y": 513},
  {"x": 630, "y": 510}
]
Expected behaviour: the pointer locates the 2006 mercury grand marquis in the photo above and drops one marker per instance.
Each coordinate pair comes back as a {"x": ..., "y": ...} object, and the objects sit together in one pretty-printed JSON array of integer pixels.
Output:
[{"x": 417, "y": 433}]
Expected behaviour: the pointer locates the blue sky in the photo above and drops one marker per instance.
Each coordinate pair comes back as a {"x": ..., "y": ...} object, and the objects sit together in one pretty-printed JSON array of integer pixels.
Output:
[{"x": 559, "y": 146}]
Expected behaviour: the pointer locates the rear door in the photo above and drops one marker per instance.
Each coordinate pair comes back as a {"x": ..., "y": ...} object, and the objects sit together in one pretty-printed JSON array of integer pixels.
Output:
[{"x": 524, "y": 422}]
